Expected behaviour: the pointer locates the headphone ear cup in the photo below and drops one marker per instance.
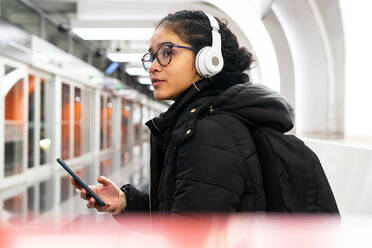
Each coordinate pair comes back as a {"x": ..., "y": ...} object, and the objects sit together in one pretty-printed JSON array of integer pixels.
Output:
[
  {"x": 208, "y": 62},
  {"x": 200, "y": 62}
]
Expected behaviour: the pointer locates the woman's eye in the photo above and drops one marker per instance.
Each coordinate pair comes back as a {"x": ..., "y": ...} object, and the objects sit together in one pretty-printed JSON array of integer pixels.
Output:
[{"x": 167, "y": 53}]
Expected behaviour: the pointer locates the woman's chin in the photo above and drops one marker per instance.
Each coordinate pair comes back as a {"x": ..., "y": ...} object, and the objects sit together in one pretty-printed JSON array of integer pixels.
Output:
[{"x": 161, "y": 96}]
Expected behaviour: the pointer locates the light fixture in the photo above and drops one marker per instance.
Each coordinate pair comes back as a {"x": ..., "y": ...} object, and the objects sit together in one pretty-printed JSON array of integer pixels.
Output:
[
  {"x": 125, "y": 57},
  {"x": 94, "y": 33},
  {"x": 136, "y": 71},
  {"x": 45, "y": 144}
]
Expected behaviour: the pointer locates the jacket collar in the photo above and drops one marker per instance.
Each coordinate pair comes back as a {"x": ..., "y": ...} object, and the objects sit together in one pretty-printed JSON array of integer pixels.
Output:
[{"x": 163, "y": 125}]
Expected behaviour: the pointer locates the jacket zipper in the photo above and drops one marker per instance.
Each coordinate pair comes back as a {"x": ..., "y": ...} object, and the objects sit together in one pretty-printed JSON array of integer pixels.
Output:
[{"x": 155, "y": 125}]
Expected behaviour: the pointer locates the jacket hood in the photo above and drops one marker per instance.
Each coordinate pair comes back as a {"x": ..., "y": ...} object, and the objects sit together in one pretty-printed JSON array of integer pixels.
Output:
[{"x": 258, "y": 104}]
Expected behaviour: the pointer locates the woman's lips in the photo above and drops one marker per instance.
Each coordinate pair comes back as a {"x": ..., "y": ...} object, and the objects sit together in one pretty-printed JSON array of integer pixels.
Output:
[{"x": 157, "y": 83}]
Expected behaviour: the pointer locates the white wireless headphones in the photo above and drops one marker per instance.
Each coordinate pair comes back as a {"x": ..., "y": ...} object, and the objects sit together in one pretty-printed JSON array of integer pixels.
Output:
[{"x": 209, "y": 60}]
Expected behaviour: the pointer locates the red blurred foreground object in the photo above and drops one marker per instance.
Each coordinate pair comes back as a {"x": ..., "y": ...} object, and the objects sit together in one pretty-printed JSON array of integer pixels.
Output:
[
  {"x": 5, "y": 237},
  {"x": 193, "y": 231}
]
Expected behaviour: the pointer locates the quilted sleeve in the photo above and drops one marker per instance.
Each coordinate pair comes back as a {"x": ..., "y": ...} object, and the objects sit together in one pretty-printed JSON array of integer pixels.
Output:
[{"x": 137, "y": 201}]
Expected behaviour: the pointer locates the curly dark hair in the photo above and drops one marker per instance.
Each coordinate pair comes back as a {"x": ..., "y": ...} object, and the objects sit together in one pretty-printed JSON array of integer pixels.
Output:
[{"x": 193, "y": 27}]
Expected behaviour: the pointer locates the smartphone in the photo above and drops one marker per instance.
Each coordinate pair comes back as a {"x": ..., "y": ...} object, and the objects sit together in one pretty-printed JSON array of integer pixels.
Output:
[{"x": 81, "y": 182}]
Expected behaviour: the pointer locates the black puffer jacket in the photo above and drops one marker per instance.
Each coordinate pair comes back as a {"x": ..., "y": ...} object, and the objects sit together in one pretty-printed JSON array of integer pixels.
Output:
[{"x": 204, "y": 161}]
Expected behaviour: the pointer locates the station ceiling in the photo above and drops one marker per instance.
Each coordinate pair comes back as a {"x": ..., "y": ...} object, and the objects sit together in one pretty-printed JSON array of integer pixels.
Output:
[{"x": 75, "y": 14}]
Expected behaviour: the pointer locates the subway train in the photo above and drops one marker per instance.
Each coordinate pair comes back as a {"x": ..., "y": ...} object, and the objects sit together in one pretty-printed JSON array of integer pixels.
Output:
[{"x": 72, "y": 87}]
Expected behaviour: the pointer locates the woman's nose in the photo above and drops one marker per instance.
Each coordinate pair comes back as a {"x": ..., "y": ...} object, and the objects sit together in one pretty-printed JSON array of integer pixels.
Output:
[{"x": 155, "y": 66}]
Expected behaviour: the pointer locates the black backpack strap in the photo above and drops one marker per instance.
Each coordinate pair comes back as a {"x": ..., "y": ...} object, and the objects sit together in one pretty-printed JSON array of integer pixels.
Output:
[{"x": 269, "y": 166}]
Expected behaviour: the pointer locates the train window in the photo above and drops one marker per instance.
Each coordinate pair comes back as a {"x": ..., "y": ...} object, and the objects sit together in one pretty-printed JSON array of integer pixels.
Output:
[
  {"x": 14, "y": 123},
  {"x": 31, "y": 122},
  {"x": 145, "y": 118},
  {"x": 108, "y": 120},
  {"x": 137, "y": 115},
  {"x": 45, "y": 139},
  {"x": 65, "y": 137},
  {"x": 101, "y": 123},
  {"x": 125, "y": 112},
  {"x": 77, "y": 123},
  {"x": 87, "y": 110},
  {"x": 80, "y": 123},
  {"x": 105, "y": 122}
]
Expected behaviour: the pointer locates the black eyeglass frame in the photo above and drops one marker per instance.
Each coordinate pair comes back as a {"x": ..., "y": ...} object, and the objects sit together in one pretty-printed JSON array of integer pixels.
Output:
[{"x": 171, "y": 46}]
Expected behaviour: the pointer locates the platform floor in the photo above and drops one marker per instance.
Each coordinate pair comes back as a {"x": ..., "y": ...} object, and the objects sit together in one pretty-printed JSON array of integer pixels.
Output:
[{"x": 135, "y": 172}]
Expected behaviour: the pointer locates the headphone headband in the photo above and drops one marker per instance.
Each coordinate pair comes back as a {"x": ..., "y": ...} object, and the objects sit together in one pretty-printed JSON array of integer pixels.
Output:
[{"x": 212, "y": 21}]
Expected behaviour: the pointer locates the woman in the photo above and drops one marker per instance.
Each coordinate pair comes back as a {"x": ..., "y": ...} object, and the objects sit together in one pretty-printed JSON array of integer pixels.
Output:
[{"x": 201, "y": 161}]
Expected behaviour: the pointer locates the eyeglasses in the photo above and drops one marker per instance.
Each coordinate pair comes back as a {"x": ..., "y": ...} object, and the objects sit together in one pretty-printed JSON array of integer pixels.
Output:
[{"x": 163, "y": 55}]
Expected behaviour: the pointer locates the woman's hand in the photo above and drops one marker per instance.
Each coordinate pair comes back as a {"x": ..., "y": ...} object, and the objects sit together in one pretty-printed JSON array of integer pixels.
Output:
[{"x": 106, "y": 190}]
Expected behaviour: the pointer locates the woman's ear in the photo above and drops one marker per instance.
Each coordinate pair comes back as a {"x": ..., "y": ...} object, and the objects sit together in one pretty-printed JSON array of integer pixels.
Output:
[{"x": 196, "y": 77}]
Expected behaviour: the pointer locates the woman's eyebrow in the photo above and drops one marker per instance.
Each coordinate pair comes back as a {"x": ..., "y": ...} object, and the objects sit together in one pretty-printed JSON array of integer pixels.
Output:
[{"x": 159, "y": 45}]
